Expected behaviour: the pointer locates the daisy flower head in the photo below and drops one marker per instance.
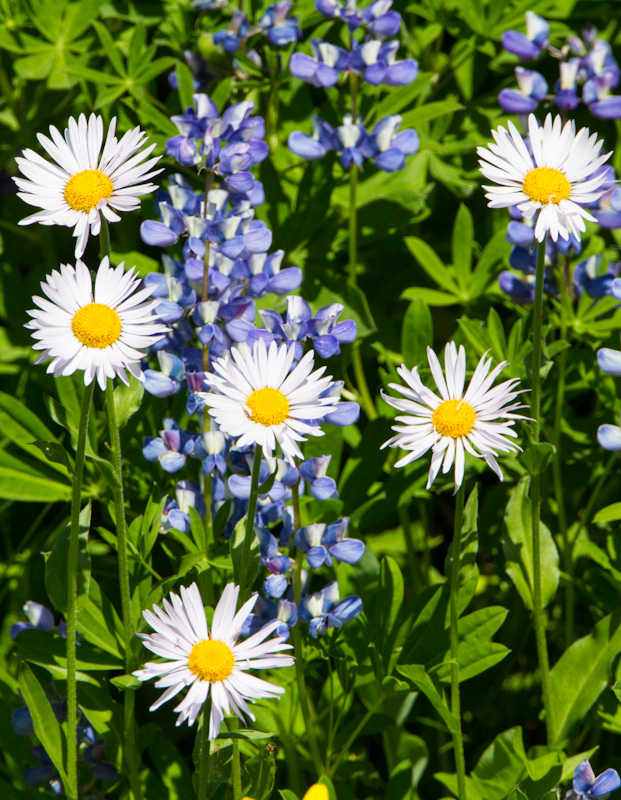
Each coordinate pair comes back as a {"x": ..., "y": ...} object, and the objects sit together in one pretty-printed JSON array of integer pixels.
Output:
[
  {"x": 258, "y": 397},
  {"x": 84, "y": 182},
  {"x": 100, "y": 330},
  {"x": 200, "y": 659},
  {"x": 556, "y": 179},
  {"x": 477, "y": 421}
]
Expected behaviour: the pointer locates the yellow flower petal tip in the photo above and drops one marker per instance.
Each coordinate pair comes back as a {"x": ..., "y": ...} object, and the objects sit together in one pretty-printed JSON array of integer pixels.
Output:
[{"x": 317, "y": 792}]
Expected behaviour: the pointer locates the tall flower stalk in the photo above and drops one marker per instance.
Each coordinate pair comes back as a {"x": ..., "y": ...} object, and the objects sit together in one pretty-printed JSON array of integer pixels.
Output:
[
  {"x": 72, "y": 576},
  {"x": 458, "y": 739}
]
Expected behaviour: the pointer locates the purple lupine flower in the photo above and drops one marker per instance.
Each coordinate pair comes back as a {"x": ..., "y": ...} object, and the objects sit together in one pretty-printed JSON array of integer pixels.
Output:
[
  {"x": 387, "y": 147},
  {"x": 377, "y": 63},
  {"x": 265, "y": 611},
  {"x": 323, "y": 610},
  {"x": 322, "y": 543},
  {"x": 176, "y": 512},
  {"x": 314, "y": 472},
  {"x": 532, "y": 88},
  {"x": 588, "y": 277},
  {"x": 324, "y": 67},
  {"x": 280, "y": 28},
  {"x": 565, "y": 88},
  {"x": 231, "y": 38},
  {"x": 170, "y": 448},
  {"x": 38, "y": 617},
  {"x": 586, "y": 785},
  {"x": 315, "y": 146},
  {"x": 527, "y": 46}
]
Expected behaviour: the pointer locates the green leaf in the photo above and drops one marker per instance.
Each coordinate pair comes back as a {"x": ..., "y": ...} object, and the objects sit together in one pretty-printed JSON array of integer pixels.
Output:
[
  {"x": 236, "y": 550},
  {"x": 463, "y": 240},
  {"x": 55, "y": 453},
  {"x": 517, "y": 544},
  {"x": 25, "y": 487},
  {"x": 416, "y": 674},
  {"x": 126, "y": 682},
  {"x": 581, "y": 675},
  {"x": 109, "y": 46},
  {"x": 47, "y": 727},
  {"x": 261, "y": 770},
  {"x": 430, "y": 111},
  {"x": 611, "y": 513},
  {"x": 100, "y": 624},
  {"x": 431, "y": 296},
  {"x": 127, "y": 399},
  {"x": 185, "y": 81},
  {"x": 416, "y": 333},
  {"x": 245, "y": 733},
  {"x": 431, "y": 263},
  {"x": 106, "y": 469},
  {"x": 56, "y": 565},
  {"x": 49, "y": 650},
  {"x": 387, "y": 621},
  {"x": 23, "y": 427},
  {"x": 473, "y": 659}
]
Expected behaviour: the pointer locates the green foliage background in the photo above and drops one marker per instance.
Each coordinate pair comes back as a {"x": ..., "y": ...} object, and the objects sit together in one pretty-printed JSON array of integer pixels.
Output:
[{"x": 429, "y": 253}]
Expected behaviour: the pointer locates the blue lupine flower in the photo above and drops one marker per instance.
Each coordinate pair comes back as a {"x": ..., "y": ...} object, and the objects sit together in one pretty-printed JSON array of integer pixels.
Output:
[
  {"x": 609, "y": 436},
  {"x": 376, "y": 17},
  {"x": 387, "y": 147},
  {"x": 176, "y": 512},
  {"x": 527, "y": 46},
  {"x": 314, "y": 472},
  {"x": 323, "y": 610},
  {"x": 315, "y": 146},
  {"x": 168, "y": 381},
  {"x": 609, "y": 360},
  {"x": 211, "y": 448},
  {"x": 38, "y": 617},
  {"x": 279, "y": 28},
  {"x": 565, "y": 88},
  {"x": 230, "y": 38},
  {"x": 324, "y": 67},
  {"x": 586, "y": 785},
  {"x": 21, "y": 721},
  {"x": 377, "y": 63},
  {"x": 171, "y": 448},
  {"x": 265, "y": 611},
  {"x": 588, "y": 277},
  {"x": 532, "y": 88},
  {"x": 323, "y": 542}
]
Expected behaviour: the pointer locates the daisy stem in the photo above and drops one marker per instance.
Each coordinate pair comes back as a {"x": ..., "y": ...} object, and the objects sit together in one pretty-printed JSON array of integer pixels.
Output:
[
  {"x": 244, "y": 591},
  {"x": 458, "y": 741},
  {"x": 298, "y": 645},
  {"x": 535, "y": 495},
  {"x": 203, "y": 774},
  {"x": 72, "y": 572},
  {"x": 130, "y": 753}
]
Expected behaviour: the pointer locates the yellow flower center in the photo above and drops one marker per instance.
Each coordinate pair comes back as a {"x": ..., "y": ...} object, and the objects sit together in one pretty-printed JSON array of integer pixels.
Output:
[
  {"x": 268, "y": 407},
  {"x": 211, "y": 660},
  {"x": 454, "y": 418},
  {"x": 96, "y": 325},
  {"x": 85, "y": 189},
  {"x": 546, "y": 185}
]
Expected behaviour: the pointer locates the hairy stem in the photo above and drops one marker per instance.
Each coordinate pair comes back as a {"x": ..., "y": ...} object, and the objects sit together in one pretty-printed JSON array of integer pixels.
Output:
[
  {"x": 72, "y": 586},
  {"x": 458, "y": 740},
  {"x": 535, "y": 496},
  {"x": 130, "y": 750}
]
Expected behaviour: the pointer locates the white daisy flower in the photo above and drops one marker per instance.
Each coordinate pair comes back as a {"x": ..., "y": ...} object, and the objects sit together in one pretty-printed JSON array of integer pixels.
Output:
[
  {"x": 85, "y": 182},
  {"x": 100, "y": 331},
  {"x": 557, "y": 180},
  {"x": 200, "y": 659},
  {"x": 258, "y": 397},
  {"x": 456, "y": 422}
]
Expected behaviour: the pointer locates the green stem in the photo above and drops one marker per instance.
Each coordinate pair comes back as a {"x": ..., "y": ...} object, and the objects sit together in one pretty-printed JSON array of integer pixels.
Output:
[
  {"x": 205, "y": 286},
  {"x": 203, "y": 773},
  {"x": 130, "y": 751},
  {"x": 557, "y": 475},
  {"x": 244, "y": 590},
  {"x": 298, "y": 646},
  {"x": 104, "y": 238},
  {"x": 535, "y": 495},
  {"x": 354, "y": 735},
  {"x": 458, "y": 741},
  {"x": 236, "y": 772},
  {"x": 72, "y": 577}
]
